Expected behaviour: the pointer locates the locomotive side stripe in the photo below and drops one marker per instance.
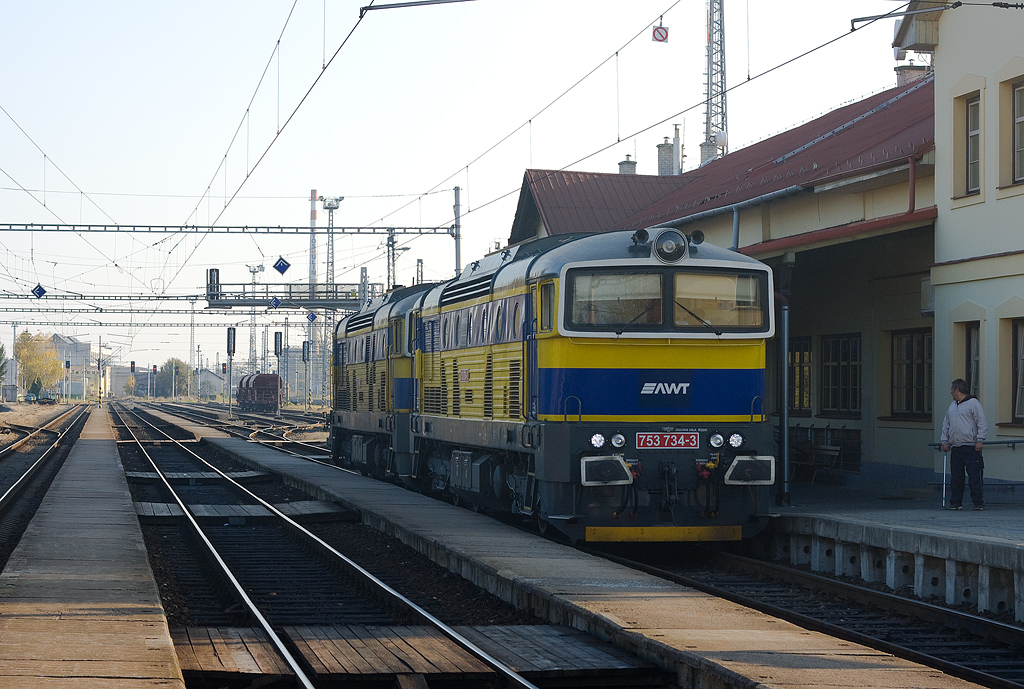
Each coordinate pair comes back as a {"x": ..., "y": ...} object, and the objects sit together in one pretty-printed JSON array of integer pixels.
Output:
[{"x": 650, "y": 392}]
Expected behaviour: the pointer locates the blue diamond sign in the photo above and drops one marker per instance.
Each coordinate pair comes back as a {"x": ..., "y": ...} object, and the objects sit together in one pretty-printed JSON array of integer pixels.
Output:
[
  {"x": 311, "y": 317},
  {"x": 281, "y": 265},
  {"x": 38, "y": 291},
  {"x": 275, "y": 302}
]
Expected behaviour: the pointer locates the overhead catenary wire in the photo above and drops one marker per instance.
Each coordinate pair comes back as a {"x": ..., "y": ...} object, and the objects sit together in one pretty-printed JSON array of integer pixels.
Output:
[
  {"x": 273, "y": 139},
  {"x": 685, "y": 110}
]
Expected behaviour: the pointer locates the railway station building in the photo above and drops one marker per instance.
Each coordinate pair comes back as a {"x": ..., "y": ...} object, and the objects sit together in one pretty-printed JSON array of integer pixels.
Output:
[{"x": 893, "y": 227}]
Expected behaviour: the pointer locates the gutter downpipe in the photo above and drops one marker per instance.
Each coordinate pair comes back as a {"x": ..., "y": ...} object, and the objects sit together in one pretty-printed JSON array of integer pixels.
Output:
[
  {"x": 782, "y": 497},
  {"x": 735, "y": 210},
  {"x": 912, "y": 182}
]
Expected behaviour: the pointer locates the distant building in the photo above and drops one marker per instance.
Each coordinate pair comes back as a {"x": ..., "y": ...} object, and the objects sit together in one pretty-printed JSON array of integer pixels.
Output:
[{"x": 71, "y": 350}]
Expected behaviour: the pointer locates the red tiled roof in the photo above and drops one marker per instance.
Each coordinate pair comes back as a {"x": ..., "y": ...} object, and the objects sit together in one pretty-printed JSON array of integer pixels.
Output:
[
  {"x": 880, "y": 131},
  {"x": 568, "y": 201}
]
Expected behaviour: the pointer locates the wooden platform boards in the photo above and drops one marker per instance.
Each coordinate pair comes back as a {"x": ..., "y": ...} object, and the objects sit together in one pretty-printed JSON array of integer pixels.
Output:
[
  {"x": 304, "y": 510},
  {"x": 564, "y": 654},
  {"x": 549, "y": 656},
  {"x": 220, "y": 652},
  {"x": 192, "y": 476}
]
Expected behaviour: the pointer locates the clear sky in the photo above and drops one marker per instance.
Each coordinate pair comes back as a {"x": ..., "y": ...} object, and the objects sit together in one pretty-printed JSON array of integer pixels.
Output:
[{"x": 199, "y": 112}]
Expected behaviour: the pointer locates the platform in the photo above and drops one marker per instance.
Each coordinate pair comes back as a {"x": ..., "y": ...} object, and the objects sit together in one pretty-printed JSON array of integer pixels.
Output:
[
  {"x": 907, "y": 540},
  {"x": 79, "y": 607},
  {"x": 706, "y": 641}
]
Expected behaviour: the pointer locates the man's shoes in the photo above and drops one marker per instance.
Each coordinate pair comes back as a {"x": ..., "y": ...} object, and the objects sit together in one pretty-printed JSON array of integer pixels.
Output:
[
  {"x": 955, "y": 507},
  {"x": 979, "y": 508}
]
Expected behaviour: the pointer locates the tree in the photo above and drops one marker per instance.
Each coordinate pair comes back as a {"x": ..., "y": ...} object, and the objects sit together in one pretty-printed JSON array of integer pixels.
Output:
[
  {"x": 3, "y": 362},
  {"x": 129, "y": 387},
  {"x": 38, "y": 359},
  {"x": 165, "y": 376}
]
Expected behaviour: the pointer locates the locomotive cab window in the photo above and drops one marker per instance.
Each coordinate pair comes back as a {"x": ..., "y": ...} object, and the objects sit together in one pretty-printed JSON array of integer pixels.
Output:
[
  {"x": 547, "y": 306},
  {"x": 667, "y": 300},
  {"x": 718, "y": 299},
  {"x": 617, "y": 299}
]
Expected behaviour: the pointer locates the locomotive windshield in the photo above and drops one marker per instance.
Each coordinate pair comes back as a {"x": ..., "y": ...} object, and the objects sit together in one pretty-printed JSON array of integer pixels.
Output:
[{"x": 667, "y": 300}]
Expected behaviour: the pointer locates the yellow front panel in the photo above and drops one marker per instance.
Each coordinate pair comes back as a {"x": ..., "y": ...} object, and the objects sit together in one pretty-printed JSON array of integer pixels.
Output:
[
  {"x": 635, "y": 534},
  {"x": 561, "y": 352}
]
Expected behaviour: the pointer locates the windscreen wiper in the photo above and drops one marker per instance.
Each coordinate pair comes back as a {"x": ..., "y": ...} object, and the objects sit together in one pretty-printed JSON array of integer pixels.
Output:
[{"x": 710, "y": 327}]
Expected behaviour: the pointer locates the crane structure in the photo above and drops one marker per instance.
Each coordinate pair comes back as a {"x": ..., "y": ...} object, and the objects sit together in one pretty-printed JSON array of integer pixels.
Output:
[{"x": 715, "y": 137}]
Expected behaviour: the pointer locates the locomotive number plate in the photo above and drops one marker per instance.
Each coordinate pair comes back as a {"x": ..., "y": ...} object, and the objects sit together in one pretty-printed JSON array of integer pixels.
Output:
[{"x": 667, "y": 441}]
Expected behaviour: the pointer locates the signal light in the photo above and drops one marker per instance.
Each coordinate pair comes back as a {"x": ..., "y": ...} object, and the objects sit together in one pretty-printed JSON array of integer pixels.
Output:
[
  {"x": 224, "y": 368},
  {"x": 154, "y": 369},
  {"x": 133, "y": 367}
]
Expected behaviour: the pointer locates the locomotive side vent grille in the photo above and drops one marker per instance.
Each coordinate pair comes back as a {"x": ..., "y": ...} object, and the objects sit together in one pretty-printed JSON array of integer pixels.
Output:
[
  {"x": 489, "y": 388},
  {"x": 382, "y": 400},
  {"x": 471, "y": 289},
  {"x": 358, "y": 322},
  {"x": 444, "y": 390},
  {"x": 372, "y": 382},
  {"x": 456, "y": 401},
  {"x": 514, "y": 382}
]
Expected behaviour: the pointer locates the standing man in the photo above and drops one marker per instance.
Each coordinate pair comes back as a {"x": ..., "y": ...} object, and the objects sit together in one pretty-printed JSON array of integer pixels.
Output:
[{"x": 964, "y": 430}]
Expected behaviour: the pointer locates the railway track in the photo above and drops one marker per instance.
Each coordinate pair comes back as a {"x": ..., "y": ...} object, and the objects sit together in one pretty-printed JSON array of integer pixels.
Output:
[
  {"x": 279, "y": 573},
  {"x": 268, "y": 430},
  {"x": 28, "y": 463},
  {"x": 967, "y": 646}
]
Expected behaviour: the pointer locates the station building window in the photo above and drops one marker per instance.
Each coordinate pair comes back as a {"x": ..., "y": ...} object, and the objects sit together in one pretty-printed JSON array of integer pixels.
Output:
[
  {"x": 800, "y": 375},
  {"x": 966, "y": 142},
  {"x": 973, "y": 143},
  {"x": 1018, "y": 371},
  {"x": 972, "y": 348},
  {"x": 912, "y": 373},
  {"x": 1018, "y": 132},
  {"x": 841, "y": 380}
]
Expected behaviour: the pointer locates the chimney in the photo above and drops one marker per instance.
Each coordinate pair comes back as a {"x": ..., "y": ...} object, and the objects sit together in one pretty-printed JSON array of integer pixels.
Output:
[
  {"x": 906, "y": 74},
  {"x": 665, "y": 163},
  {"x": 627, "y": 166}
]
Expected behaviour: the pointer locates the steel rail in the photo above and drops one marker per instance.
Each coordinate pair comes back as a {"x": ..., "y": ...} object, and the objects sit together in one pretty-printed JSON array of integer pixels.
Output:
[
  {"x": 300, "y": 673},
  {"x": 19, "y": 485},
  {"x": 859, "y": 594},
  {"x": 508, "y": 673}
]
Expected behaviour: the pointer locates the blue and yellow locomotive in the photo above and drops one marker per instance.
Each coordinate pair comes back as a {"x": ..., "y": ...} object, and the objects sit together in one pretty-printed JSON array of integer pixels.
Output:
[{"x": 608, "y": 385}]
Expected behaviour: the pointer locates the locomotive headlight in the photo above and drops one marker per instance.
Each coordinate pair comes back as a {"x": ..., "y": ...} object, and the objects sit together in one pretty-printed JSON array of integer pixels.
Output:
[
  {"x": 716, "y": 440},
  {"x": 736, "y": 441},
  {"x": 618, "y": 440},
  {"x": 597, "y": 440},
  {"x": 670, "y": 246}
]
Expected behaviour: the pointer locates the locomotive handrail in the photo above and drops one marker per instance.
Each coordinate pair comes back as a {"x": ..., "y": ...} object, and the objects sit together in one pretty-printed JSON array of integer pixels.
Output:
[
  {"x": 565, "y": 409},
  {"x": 755, "y": 399}
]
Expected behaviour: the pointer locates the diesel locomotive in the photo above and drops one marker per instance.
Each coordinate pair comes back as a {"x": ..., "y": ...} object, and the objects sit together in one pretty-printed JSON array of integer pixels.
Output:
[{"x": 609, "y": 385}]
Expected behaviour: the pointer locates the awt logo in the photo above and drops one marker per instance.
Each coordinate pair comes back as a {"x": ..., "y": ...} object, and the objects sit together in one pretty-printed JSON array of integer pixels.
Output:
[{"x": 665, "y": 389}]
